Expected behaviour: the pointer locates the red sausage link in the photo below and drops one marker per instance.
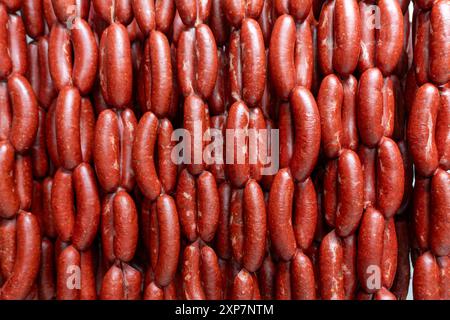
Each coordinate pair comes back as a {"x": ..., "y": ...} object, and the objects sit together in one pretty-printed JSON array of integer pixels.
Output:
[
  {"x": 169, "y": 240},
  {"x": 346, "y": 36},
  {"x": 186, "y": 199},
  {"x": 286, "y": 128},
  {"x": 281, "y": 56},
  {"x": 297, "y": 8},
  {"x": 443, "y": 131},
  {"x": 440, "y": 213},
  {"x": 255, "y": 226},
  {"x": 106, "y": 150},
  {"x": 85, "y": 50},
  {"x": 192, "y": 285},
  {"x": 302, "y": 278},
  {"x": 17, "y": 44},
  {"x": 266, "y": 276},
  {"x": 422, "y": 211},
  {"x": 32, "y": 14},
  {"x": 370, "y": 250},
  {"x": 46, "y": 92},
  {"x": 349, "y": 266},
  {"x": 39, "y": 158},
  {"x": 304, "y": 55},
  {"x": 158, "y": 74},
  {"x": 25, "y": 113},
  {"x": 390, "y": 251},
  {"x": 280, "y": 215},
  {"x": 26, "y": 266},
  {"x": 236, "y": 225},
  {"x": 390, "y": 36},
  {"x": 400, "y": 286},
  {"x": 110, "y": 11},
  {"x": 88, "y": 207},
  {"x": 243, "y": 287},
  {"x": 62, "y": 201},
  {"x": 197, "y": 62},
  {"x": 5, "y": 58},
  {"x": 10, "y": 198},
  {"x": 46, "y": 280},
  {"x": 195, "y": 124},
  {"x": 208, "y": 206},
  {"x": 384, "y": 294},
  {"x": 8, "y": 242},
  {"x": 390, "y": 177},
  {"x": 421, "y": 130},
  {"x": 248, "y": 63},
  {"x": 68, "y": 279},
  {"x": 113, "y": 285},
  {"x": 222, "y": 243},
  {"x": 167, "y": 169},
  {"x": 283, "y": 281},
  {"x": 238, "y": 169},
  {"x": 88, "y": 281},
  {"x": 307, "y": 133},
  {"x": 426, "y": 278},
  {"x": 439, "y": 43},
  {"x": 118, "y": 76},
  {"x": 331, "y": 268},
  {"x": 48, "y": 222},
  {"x": 306, "y": 212},
  {"x": 218, "y": 22},
  {"x": 143, "y": 156},
  {"x": 193, "y": 12},
  {"x": 211, "y": 274},
  {"x": 350, "y": 138},
  {"x": 5, "y": 112},
  {"x": 107, "y": 228},
  {"x": 68, "y": 113},
  {"x": 368, "y": 162},
  {"x": 24, "y": 181},
  {"x": 125, "y": 226},
  {"x": 329, "y": 101},
  {"x": 330, "y": 192},
  {"x": 60, "y": 57},
  {"x": 144, "y": 12},
  {"x": 350, "y": 193}
]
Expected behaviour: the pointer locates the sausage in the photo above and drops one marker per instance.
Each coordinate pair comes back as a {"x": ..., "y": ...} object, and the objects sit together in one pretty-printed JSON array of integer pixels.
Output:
[
  {"x": 143, "y": 152},
  {"x": 281, "y": 56},
  {"x": 255, "y": 228},
  {"x": 440, "y": 203},
  {"x": 25, "y": 115},
  {"x": 305, "y": 214},
  {"x": 350, "y": 193},
  {"x": 26, "y": 266},
  {"x": 88, "y": 207},
  {"x": 421, "y": 130},
  {"x": 329, "y": 101},
  {"x": 331, "y": 268},
  {"x": 307, "y": 133},
  {"x": 169, "y": 240},
  {"x": 125, "y": 226},
  {"x": 238, "y": 169},
  {"x": 370, "y": 107},
  {"x": 370, "y": 250},
  {"x": 390, "y": 177},
  {"x": 302, "y": 278},
  {"x": 208, "y": 206},
  {"x": 280, "y": 215},
  {"x": 186, "y": 199},
  {"x": 10, "y": 199},
  {"x": 426, "y": 278}
]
